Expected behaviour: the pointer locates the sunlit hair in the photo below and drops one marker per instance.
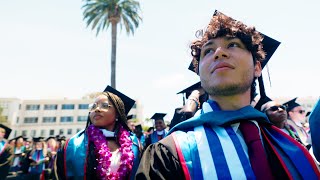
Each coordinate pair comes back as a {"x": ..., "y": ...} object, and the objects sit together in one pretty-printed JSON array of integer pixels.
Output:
[
  {"x": 223, "y": 26},
  {"x": 2, "y": 130},
  {"x": 44, "y": 148}
]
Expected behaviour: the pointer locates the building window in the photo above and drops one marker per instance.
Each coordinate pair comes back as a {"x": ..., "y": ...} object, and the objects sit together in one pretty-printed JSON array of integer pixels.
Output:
[
  {"x": 66, "y": 119},
  {"x": 33, "y": 133},
  {"x": 61, "y": 132},
  {"x": 31, "y": 107},
  {"x": 49, "y": 119},
  {"x": 50, "y": 107},
  {"x": 51, "y": 132},
  {"x": 31, "y": 120},
  {"x": 82, "y": 118},
  {"x": 83, "y": 106},
  {"x": 67, "y": 106},
  {"x": 19, "y": 106},
  {"x": 17, "y": 120},
  {"x": 24, "y": 133},
  {"x": 134, "y": 106},
  {"x": 15, "y": 133},
  {"x": 43, "y": 133},
  {"x": 78, "y": 130},
  {"x": 69, "y": 131}
]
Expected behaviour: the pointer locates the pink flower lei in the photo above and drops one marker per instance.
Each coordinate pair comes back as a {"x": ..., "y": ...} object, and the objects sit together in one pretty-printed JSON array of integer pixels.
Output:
[{"x": 103, "y": 153}]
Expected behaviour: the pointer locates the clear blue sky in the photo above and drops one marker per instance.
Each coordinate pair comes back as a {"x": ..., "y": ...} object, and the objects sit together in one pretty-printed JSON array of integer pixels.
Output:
[{"x": 46, "y": 51}]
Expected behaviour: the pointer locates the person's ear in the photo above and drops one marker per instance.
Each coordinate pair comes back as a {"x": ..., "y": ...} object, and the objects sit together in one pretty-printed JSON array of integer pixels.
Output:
[{"x": 257, "y": 69}]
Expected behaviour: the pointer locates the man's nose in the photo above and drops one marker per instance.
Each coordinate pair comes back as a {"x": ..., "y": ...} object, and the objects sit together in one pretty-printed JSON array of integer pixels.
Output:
[{"x": 220, "y": 53}]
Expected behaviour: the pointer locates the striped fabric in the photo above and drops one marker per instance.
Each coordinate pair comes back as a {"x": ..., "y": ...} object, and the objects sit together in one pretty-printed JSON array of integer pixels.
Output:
[
  {"x": 221, "y": 157},
  {"x": 208, "y": 150}
]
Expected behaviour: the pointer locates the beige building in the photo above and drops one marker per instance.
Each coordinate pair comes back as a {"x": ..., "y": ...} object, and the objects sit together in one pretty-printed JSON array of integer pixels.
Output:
[{"x": 49, "y": 117}]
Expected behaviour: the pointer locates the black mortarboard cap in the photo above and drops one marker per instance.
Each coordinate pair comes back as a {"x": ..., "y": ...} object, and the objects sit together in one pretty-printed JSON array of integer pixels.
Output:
[
  {"x": 138, "y": 127},
  {"x": 51, "y": 137},
  {"x": 158, "y": 116},
  {"x": 192, "y": 67},
  {"x": 291, "y": 104},
  {"x": 62, "y": 138},
  {"x": 261, "y": 102},
  {"x": 129, "y": 117},
  {"x": 38, "y": 139},
  {"x": 18, "y": 137},
  {"x": 189, "y": 89},
  {"x": 128, "y": 102},
  {"x": 7, "y": 129}
]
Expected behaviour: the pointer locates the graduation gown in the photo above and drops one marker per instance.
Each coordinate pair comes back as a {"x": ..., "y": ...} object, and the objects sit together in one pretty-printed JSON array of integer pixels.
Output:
[
  {"x": 181, "y": 156},
  {"x": 6, "y": 156},
  {"x": 76, "y": 159},
  {"x": 314, "y": 121}
]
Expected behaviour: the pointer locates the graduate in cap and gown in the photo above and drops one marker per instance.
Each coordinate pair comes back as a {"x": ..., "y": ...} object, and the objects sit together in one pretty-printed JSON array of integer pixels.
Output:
[
  {"x": 195, "y": 96},
  {"x": 160, "y": 129},
  {"x": 296, "y": 114},
  {"x": 19, "y": 153},
  {"x": 6, "y": 151},
  {"x": 106, "y": 148},
  {"x": 38, "y": 156},
  {"x": 230, "y": 139},
  {"x": 277, "y": 115},
  {"x": 138, "y": 131}
]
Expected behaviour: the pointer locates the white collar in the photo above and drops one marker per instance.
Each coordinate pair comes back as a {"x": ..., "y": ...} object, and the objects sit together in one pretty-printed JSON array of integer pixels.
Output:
[
  {"x": 160, "y": 133},
  {"x": 107, "y": 133}
]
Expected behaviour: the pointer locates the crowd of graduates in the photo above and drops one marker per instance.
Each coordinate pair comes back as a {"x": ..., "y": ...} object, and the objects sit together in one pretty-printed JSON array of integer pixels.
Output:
[
  {"x": 221, "y": 131},
  {"x": 22, "y": 158}
]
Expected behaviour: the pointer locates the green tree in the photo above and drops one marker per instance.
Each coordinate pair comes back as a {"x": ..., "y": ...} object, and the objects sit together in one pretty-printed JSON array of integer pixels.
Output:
[
  {"x": 3, "y": 119},
  {"x": 101, "y": 13}
]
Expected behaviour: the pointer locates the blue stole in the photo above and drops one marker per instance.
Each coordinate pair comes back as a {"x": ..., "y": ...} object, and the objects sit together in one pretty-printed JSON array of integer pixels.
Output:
[
  {"x": 154, "y": 136},
  {"x": 37, "y": 156},
  {"x": 2, "y": 145},
  {"x": 222, "y": 155},
  {"x": 75, "y": 155}
]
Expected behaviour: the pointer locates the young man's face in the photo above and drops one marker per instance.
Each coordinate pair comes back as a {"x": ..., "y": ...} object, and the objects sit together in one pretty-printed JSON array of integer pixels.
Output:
[
  {"x": 2, "y": 133},
  {"x": 226, "y": 67},
  {"x": 297, "y": 114},
  {"x": 160, "y": 125},
  {"x": 276, "y": 112}
]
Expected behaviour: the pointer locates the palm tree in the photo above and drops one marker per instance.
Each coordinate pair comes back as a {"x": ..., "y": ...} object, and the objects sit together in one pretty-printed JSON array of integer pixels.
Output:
[{"x": 101, "y": 13}]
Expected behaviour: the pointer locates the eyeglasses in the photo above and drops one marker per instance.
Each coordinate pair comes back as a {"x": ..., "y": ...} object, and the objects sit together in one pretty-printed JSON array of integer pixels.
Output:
[
  {"x": 275, "y": 108},
  {"x": 300, "y": 111},
  {"x": 102, "y": 106}
]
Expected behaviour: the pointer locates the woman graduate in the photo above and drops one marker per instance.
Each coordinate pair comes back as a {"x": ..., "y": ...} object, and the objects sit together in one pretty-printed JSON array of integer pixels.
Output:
[
  {"x": 38, "y": 156},
  {"x": 106, "y": 148}
]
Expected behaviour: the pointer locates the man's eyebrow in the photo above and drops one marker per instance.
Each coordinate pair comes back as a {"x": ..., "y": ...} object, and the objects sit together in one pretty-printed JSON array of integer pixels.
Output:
[
  {"x": 208, "y": 43},
  {"x": 228, "y": 38}
]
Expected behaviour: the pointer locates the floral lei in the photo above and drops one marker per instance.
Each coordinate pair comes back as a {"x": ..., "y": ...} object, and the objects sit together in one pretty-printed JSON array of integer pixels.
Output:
[{"x": 103, "y": 153}]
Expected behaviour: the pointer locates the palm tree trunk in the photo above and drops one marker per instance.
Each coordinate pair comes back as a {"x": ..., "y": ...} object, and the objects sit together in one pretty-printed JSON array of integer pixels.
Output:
[{"x": 113, "y": 53}]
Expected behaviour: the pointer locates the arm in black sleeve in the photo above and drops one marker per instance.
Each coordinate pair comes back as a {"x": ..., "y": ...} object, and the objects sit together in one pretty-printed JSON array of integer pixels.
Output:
[
  {"x": 59, "y": 164},
  {"x": 160, "y": 161}
]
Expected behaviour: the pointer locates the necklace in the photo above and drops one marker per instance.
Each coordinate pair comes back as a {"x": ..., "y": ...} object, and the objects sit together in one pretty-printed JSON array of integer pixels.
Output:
[{"x": 103, "y": 153}]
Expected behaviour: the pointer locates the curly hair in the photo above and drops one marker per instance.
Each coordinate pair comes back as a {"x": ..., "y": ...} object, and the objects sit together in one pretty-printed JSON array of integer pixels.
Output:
[{"x": 221, "y": 25}]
